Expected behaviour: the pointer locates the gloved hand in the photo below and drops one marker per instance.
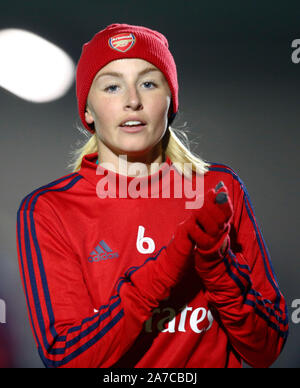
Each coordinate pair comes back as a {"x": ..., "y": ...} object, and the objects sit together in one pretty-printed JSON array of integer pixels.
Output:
[
  {"x": 206, "y": 230},
  {"x": 202, "y": 234},
  {"x": 214, "y": 222}
]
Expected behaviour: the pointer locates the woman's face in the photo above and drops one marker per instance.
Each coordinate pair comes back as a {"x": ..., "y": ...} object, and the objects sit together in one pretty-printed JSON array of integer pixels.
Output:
[{"x": 128, "y": 103}]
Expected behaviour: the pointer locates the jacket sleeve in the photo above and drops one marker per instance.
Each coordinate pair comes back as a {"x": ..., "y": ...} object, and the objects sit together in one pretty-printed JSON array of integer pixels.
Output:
[
  {"x": 243, "y": 289},
  {"x": 67, "y": 331}
]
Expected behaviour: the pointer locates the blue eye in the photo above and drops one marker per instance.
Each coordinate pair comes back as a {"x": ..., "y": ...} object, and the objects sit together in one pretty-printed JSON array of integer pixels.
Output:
[
  {"x": 111, "y": 88},
  {"x": 149, "y": 84}
]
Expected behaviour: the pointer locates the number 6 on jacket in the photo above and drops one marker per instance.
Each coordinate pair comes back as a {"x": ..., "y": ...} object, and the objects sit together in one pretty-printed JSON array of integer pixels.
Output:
[{"x": 141, "y": 240}]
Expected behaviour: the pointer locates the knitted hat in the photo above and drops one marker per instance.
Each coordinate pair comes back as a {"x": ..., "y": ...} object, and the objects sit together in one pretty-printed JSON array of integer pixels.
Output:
[{"x": 123, "y": 41}]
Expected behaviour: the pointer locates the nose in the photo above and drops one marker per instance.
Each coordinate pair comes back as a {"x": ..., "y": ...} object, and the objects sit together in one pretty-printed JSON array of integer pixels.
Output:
[{"x": 133, "y": 99}]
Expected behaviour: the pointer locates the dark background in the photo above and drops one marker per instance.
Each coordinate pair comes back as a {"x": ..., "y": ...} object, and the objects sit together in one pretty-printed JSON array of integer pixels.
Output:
[{"x": 239, "y": 97}]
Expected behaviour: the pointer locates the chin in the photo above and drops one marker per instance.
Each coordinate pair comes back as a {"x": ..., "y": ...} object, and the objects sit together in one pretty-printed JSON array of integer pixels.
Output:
[
  {"x": 136, "y": 150},
  {"x": 134, "y": 153}
]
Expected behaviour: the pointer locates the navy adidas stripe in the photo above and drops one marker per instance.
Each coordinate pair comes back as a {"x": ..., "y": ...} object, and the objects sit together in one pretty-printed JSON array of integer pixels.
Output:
[
  {"x": 51, "y": 184},
  {"x": 40, "y": 264},
  {"x": 239, "y": 267},
  {"x": 60, "y": 338},
  {"x": 261, "y": 245},
  {"x": 258, "y": 233},
  {"x": 76, "y": 328},
  {"x": 87, "y": 345},
  {"x": 45, "y": 286},
  {"x": 131, "y": 270},
  {"x": 234, "y": 277},
  {"x": 91, "y": 328},
  {"x": 19, "y": 243},
  {"x": 47, "y": 297},
  {"x": 251, "y": 291},
  {"x": 23, "y": 276}
]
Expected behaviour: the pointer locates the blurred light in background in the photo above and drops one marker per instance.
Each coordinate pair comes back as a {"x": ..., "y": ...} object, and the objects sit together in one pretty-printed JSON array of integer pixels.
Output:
[{"x": 32, "y": 67}]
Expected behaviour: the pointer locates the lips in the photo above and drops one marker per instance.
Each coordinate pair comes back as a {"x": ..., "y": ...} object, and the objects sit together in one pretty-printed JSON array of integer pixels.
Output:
[
  {"x": 132, "y": 128},
  {"x": 133, "y": 120},
  {"x": 132, "y": 125}
]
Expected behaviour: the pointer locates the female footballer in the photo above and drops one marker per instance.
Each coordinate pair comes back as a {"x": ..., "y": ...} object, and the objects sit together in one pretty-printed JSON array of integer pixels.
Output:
[{"x": 120, "y": 267}]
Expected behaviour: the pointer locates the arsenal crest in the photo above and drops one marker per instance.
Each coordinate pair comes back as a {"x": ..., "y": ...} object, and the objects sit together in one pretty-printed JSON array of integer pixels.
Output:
[{"x": 122, "y": 42}]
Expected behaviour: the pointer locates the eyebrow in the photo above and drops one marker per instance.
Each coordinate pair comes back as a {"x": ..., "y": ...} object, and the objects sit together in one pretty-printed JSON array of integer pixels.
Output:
[{"x": 120, "y": 75}]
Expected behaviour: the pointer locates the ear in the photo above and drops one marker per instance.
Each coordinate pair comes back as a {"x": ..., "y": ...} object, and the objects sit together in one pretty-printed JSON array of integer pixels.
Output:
[{"x": 88, "y": 116}]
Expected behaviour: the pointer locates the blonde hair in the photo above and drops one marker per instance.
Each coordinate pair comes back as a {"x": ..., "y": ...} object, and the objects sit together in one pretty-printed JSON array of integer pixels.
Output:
[{"x": 176, "y": 149}]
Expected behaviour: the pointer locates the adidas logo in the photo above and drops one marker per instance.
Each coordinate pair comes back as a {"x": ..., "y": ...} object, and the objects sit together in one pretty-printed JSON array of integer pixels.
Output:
[{"x": 102, "y": 252}]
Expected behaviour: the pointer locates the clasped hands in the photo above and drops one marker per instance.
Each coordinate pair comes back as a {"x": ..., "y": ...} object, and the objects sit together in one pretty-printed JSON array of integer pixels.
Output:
[{"x": 206, "y": 230}]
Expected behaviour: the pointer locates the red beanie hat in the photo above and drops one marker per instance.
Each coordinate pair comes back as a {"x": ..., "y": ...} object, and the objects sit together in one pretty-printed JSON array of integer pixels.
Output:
[{"x": 123, "y": 41}]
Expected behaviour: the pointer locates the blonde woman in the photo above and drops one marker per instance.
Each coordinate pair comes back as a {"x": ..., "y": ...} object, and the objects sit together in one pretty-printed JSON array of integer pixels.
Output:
[{"x": 124, "y": 263}]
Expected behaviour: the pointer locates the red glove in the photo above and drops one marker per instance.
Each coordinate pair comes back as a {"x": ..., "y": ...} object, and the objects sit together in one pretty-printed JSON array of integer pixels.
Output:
[
  {"x": 207, "y": 227},
  {"x": 214, "y": 222}
]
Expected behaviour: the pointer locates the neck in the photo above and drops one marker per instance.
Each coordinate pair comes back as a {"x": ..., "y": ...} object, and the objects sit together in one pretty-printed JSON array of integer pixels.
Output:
[{"x": 131, "y": 164}]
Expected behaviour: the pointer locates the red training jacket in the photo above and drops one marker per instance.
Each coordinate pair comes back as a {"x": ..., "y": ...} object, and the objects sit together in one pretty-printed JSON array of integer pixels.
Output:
[{"x": 96, "y": 296}]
